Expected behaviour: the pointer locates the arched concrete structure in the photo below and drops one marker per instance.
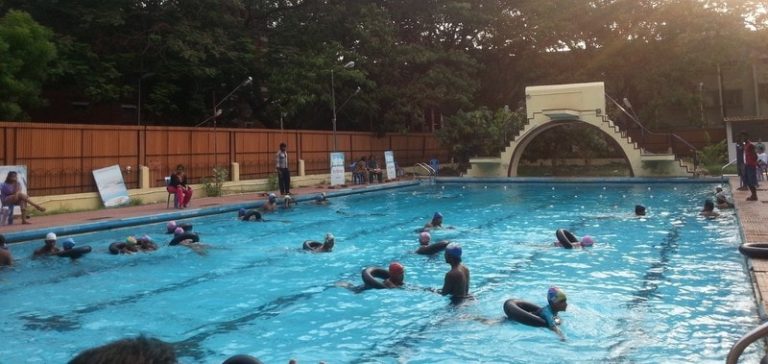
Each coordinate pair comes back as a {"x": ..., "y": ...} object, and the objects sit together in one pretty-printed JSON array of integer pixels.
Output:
[{"x": 550, "y": 106}]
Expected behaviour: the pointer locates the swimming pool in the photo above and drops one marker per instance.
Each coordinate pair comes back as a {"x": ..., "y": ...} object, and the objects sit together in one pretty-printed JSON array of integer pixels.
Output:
[{"x": 670, "y": 287}]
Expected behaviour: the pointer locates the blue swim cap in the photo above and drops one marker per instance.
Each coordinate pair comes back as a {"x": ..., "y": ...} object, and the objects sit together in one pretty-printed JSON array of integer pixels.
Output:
[
  {"x": 453, "y": 250},
  {"x": 68, "y": 244},
  {"x": 241, "y": 212},
  {"x": 437, "y": 216}
]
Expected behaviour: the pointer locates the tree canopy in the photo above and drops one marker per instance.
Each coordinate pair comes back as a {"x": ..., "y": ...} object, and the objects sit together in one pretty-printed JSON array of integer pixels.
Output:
[{"x": 412, "y": 58}]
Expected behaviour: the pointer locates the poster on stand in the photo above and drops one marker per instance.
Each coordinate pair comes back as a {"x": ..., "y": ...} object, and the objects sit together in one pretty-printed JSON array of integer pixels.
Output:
[
  {"x": 389, "y": 159},
  {"x": 111, "y": 186},
  {"x": 21, "y": 172},
  {"x": 337, "y": 168}
]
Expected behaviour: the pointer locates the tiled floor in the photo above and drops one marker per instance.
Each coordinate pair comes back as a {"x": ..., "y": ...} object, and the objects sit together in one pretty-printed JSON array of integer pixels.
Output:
[{"x": 753, "y": 216}]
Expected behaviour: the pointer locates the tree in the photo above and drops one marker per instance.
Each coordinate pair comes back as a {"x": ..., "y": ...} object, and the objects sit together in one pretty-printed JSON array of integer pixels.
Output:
[{"x": 25, "y": 52}]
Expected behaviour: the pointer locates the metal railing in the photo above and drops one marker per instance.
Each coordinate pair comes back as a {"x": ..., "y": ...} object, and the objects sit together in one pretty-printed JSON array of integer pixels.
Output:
[
  {"x": 430, "y": 171},
  {"x": 673, "y": 142},
  {"x": 738, "y": 348}
]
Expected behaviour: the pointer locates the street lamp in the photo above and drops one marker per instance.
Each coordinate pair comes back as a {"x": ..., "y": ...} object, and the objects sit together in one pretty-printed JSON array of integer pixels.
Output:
[
  {"x": 138, "y": 104},
  {"x": 217, "y": 112},
  {"x": 348, "y": 65}
]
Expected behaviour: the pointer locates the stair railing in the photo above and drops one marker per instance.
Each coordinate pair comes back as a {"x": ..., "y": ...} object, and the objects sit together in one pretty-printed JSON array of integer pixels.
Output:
[{"x": 738, "y": 348}]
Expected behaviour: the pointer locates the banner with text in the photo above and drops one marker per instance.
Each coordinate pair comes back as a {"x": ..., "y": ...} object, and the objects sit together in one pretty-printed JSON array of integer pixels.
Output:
[
  {"x": 389, "y": 159},
  {"x": 111, "y": 186},
  {"x": 337, "y": 168}
]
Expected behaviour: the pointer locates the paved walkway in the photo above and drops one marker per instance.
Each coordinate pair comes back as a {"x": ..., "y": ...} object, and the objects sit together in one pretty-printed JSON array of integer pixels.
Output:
[
  {"x": 753, "y": 216},
  {"x": 52, "y": 222}
]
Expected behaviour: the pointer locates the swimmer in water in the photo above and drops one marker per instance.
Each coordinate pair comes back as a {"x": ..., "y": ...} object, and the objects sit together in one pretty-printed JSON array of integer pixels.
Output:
[
  {"x": 49, "y": 248},
  {"x": 585, "y": 242},
  {"x": 322, "y": 199},
  {"x": 709, "y": 209},
  {"x": 456, "y": 283},
  {"x": 170, "y": 227},
  {"x": 288, "y": 202},
  {"x": 146, "y": 244},
  {"x": 271, "y": 204},
  {"x": 328, "y": 243},
  {"x": 721, "y": 199},
  {"x": 436, "y": 223},
  {"x": 396, "y": 276},
  {"x": 197, "y": 247},
  {"x": 557, "y": 303},
  {"x": 639, "y": 210},
  {"x": 5, "y": 254},
  {"x": 249, "y": 215}
]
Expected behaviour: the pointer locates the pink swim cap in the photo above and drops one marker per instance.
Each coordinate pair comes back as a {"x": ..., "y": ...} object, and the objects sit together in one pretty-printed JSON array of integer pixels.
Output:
[
  {"x": 424, "y": 237},
  {"x": 587, "y": 241},
  {"x": 170, "y": 226},
  {"x": 178, "y": 231}
]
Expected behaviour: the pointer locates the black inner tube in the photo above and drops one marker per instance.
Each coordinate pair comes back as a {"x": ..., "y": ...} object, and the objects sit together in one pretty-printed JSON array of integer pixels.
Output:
[
  {"x": 371, "y": 276},
  {"x": 75, "y": 252},
  {"x": 251, "y": 214},
  {"x": 432, "y": 248},
  {"x": 312, "y": 245},
  {"x": 565, "y": 238},
  {"x": 184, "y": 236},
  {"x": 523, "y": 312},
  {"x": 116, "y": 247},
  {"x": 754, "y": 250}
]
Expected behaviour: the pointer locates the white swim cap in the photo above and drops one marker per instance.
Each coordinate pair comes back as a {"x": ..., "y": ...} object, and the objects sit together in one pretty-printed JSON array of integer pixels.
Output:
[{"x": 50, "y": 236}]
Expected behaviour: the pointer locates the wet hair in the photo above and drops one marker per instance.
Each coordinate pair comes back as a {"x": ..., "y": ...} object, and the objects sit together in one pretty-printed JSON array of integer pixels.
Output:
[
  {"x": 242, "y": 359},
  {"x": 139, "y": 350},
  {"x": 639, "y": 210},
  {"x": 283, "y": 145},
  {"x": 709, "y": 205},
  {"x": 8, "y": 177}
]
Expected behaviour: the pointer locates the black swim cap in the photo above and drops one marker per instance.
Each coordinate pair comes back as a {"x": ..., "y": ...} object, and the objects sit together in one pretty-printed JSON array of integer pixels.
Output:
[{"x": 639, "y": 210}]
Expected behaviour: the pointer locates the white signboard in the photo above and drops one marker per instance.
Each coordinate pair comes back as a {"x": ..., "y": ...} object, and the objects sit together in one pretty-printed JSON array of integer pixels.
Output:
[
  {"x": 111, "y": 186},
  {"x": 21, "y": 172},
  {"x": 337, "y": 168},
  {"x": 389, "y": 159}
]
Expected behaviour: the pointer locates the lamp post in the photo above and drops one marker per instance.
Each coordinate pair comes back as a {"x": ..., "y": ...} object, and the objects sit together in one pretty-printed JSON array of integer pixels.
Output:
[
  {"x": 138, "y": 103},
  {"x": 217, "y": 112},
  {"x": 349, "y": 64}
]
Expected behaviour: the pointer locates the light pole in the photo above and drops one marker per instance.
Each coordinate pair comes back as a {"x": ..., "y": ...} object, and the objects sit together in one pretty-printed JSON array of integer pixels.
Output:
[
  {"x": 138, "y": 104},
  {"x": 217, "y": 112},
  {"x": 349, "y": 64}
]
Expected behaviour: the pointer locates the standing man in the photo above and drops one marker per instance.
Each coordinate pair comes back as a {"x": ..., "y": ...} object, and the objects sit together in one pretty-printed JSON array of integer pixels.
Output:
[
  {"x": 740, "y": 164},
  {"x": 750, "y": 166},
  {"x": 283, "y": 173},
  {"x": 456, "y": 283}
]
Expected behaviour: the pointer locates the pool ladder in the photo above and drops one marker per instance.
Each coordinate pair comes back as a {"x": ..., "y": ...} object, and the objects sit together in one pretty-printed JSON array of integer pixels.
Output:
[
  {"x": 738, "y": 348},
  {"x": 430, "y": 171}
]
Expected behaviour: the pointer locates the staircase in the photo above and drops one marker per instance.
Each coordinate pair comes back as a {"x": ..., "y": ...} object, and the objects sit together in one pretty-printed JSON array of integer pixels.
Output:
[{"x": 551, "y": 106}]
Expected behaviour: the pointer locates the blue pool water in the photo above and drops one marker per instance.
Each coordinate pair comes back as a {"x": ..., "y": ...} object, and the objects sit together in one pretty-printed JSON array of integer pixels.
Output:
[{"x": 667, "y": 288}]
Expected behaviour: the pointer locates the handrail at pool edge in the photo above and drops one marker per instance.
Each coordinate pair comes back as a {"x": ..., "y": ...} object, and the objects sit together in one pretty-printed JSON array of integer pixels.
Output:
[{"x": 738, "y": 348}]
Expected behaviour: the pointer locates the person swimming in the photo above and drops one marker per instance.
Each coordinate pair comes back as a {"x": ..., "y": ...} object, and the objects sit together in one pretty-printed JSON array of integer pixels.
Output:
[
  {"x": 556, "y": 303},
  {"x": 456, "y": 283},
  {"x": 322, "y": 199},
  {"x": 271, "y": 204},
  {"x": 49, "y": 248},
  {"x": 396, "y": 275},
  {"x": 709, "y": 209},
  {"x": 249, "y": 215},
  {"x": 639, "y": 210},
  {"x": 288, "y": 202},
  {"x": 436, "y": 223},
  {"x": 188, "y": 240},
  {"x": 145, "y": 243}
]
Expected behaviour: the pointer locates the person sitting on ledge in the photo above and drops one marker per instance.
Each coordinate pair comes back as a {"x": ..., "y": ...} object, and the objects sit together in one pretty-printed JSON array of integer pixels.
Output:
[
  {"x": 10, "y": 194},
  {"x": 49, "y": 248},
  {"x": 178, "y": 186}
]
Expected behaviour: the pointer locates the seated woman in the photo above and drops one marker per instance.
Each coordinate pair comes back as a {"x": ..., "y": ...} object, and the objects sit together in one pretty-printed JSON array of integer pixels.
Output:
[
  {"x": 178, "y": 185},
  {"x": 374, "y": 172},
  {"x": 361, "y": 171},
  {"x": 10, "y": 194}
]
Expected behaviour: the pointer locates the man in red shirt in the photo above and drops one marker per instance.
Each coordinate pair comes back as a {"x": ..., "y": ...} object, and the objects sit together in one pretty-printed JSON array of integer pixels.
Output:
[{"x": 750, "y": 166}]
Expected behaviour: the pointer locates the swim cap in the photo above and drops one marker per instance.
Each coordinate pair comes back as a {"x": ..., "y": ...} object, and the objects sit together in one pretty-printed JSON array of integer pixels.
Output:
[
  {"x": 639, "y": 210},
  {"x": 437, "y": 216},
  {"x": 319, "y": 198},
  {"x": 288, "y": 198},
  {"x": 719, "y": 188},
  {"x": 50, "y": 236},
  {"x": 241, "y": 212},
  {"x": 587, "y": 241},
  {"x": 272, "y": 197},
  {"x": 453, "y": 250},
  {"x": 68, "y": 244},
  {"x": 170, "y": 226},
  {"x": 178, "y": 231},
  {"x": 555, "y": 295},
  {"x": 424, "y": 237},
  {"x": 329, "y": 236},
  {"x": 146, "y": 238},
  {"x": 396, "y": 267},
  {"x": 130, "y": 240}
]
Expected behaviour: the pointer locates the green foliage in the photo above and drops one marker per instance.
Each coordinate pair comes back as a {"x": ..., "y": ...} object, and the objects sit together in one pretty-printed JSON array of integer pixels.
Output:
[
  {"x": 25, "y": 51},
  {"x": 713, "y": 157},
  {"x": 135, "y": 201},
  {"x": 213, "y": 186},
  {"x": 272, "y": 182},
  {"x": 571, "y": 141},
  {"x": 479, "y": 133}
]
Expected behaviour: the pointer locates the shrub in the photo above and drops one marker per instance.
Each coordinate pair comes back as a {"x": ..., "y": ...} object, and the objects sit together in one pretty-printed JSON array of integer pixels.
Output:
[{"x": 213, "y": 185}]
